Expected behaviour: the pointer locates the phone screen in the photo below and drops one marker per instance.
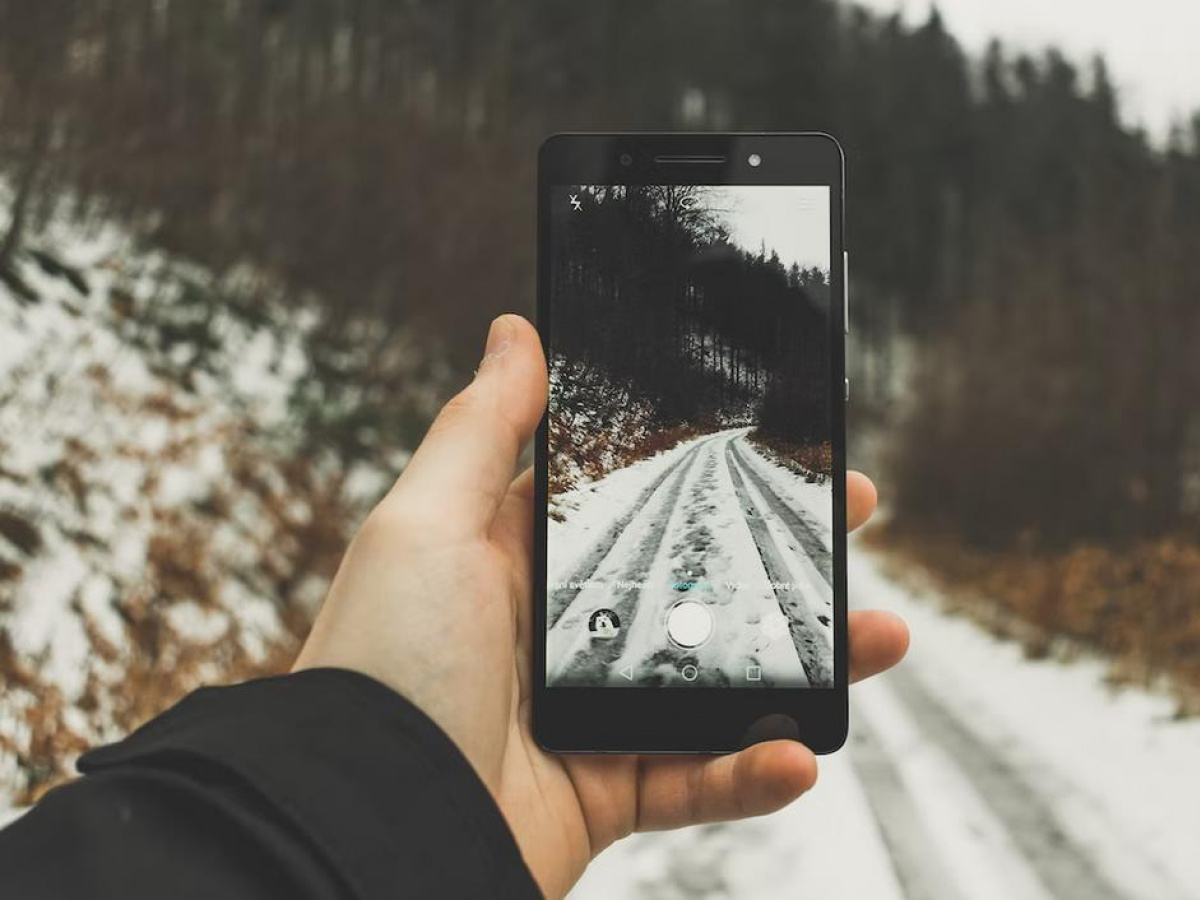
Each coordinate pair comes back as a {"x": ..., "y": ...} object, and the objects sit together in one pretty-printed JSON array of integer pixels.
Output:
[{"x": 690, "y": 439}]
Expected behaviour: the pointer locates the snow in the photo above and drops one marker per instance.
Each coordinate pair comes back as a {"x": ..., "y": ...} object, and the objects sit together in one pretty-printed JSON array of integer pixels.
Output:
[
  {"x": 148, "y": 418},
  {"x": 591, "y": 507},
  {"x": 679, "y": 526},
  {"x": 1118, "y": 768},
  {"x": 738, "y": 603},
  {"x": 40, "y": 622},
  {"x": 826, "y": 846},
  {"x": 813, "y": 497},
  {"x": 803, "y": 574},
  {"x": 978, "y": 855},
  {"x": 79, "y": 395},
  {"x": 1112, "y": 771}
]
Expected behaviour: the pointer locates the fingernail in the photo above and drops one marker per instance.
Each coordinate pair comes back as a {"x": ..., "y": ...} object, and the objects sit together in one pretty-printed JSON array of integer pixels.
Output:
[{"x": 499, "y": 339}]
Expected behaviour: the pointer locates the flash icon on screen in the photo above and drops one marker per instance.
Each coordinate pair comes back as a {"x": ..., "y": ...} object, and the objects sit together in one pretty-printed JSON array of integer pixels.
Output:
[{"x": 576, "y": 203}]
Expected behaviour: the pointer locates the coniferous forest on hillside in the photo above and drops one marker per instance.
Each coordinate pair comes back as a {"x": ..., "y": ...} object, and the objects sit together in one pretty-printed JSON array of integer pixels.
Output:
[
  {"x": 1001, "y": 215},
  {"x": 654, "y": 307}
]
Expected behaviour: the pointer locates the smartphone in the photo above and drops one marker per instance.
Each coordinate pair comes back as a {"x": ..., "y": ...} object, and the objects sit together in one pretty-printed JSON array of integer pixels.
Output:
[{"x": 690, "y": 553}]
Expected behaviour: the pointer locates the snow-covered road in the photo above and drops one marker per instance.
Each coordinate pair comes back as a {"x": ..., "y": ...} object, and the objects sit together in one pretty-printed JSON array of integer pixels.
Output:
[
  {"x": 714, "y": 521},
  {"x": 972, "y": 773}
]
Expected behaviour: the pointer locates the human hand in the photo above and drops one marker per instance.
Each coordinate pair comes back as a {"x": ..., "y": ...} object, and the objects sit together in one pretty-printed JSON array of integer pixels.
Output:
[{"x": 433, "y": 598}]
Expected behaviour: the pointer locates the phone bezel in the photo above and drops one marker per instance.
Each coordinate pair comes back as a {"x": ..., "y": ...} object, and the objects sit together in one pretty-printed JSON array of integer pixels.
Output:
[{"x": 693, "y": 720}]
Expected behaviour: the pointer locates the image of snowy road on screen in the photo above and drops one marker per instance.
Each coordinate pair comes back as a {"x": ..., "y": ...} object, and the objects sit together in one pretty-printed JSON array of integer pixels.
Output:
[{"x": 690, "y": 494}]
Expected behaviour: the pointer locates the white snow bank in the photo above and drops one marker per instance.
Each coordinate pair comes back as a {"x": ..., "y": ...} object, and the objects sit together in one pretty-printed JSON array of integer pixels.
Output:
[
  {"x": 1118, "y": 769},
  {"x": 1114, "y": 766}
]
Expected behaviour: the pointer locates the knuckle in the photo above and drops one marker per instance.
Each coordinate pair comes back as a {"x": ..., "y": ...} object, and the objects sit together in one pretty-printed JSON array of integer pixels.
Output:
[
  {"x": 454, "y": 410},
  {"x": 459, "y": 404}
]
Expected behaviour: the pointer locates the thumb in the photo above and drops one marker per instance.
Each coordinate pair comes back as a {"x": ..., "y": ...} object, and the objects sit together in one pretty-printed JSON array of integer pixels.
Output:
[{"x": 465, "y": 464}]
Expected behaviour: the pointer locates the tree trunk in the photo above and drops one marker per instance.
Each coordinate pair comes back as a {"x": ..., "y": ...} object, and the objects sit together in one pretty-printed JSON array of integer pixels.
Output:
[{"x": 29, "y": 174}]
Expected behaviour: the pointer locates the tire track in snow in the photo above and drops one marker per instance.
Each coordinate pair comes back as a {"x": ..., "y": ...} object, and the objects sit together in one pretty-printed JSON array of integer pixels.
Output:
[
  {"x": 797, "y": 522},
  {"x": 592, "y": 666},
  {"x": 960, "y": 817},
  {"x": 914, "y": 854},
  {"x": 811, "y": 646},
  {"x": 1062, "y": 866},
  {"x": 692, "y": 546},
  {"x": 563, "y": 597}
]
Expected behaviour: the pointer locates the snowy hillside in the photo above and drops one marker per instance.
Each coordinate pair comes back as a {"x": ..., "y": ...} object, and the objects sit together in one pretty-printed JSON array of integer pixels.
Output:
[{"x": 160, "y": 524}]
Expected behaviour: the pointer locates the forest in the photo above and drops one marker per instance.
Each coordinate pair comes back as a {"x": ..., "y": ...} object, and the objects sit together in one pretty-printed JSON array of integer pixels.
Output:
[
  {"x": 1026, "y": 283},
  {"x": 650, "y": 294},
  {"x": 380, "y": 157}
]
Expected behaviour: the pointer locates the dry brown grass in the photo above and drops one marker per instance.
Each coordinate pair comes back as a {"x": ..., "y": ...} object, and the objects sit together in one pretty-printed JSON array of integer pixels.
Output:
[
  {"x": 1138, "y": 606},
  {"x": 300, "y": 522},
  {"x": 597, "y": 453},
  {"x": 812, "y": 462}
]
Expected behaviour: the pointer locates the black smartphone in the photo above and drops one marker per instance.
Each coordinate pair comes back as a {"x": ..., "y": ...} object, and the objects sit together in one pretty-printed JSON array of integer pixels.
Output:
[{"x": 690, "y": 553}]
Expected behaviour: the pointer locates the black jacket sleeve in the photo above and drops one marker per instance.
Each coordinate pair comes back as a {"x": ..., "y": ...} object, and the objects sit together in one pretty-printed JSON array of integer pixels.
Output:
[{"x": 323, "y": 785}]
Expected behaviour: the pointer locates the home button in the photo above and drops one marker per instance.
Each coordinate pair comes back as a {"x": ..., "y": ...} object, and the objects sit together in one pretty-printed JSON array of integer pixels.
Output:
[{"x": 771, "y": 728}]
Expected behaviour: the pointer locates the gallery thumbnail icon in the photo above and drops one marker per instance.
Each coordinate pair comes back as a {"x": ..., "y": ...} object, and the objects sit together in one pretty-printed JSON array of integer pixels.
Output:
[{"x": 604, "y": 625}]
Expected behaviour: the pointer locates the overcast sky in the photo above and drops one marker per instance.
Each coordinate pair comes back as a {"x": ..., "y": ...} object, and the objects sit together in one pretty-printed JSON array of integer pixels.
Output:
[
  {"x": 791, "y": 220},
  {"x": 1152, "y": 46}
]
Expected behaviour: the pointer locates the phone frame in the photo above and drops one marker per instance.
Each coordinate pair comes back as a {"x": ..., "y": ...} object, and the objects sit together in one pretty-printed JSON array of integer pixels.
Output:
[{"x": 700, "y": 719}]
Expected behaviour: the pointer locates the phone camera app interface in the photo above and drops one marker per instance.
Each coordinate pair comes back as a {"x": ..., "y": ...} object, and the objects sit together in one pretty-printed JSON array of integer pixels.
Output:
[{"x": 690, "y": 440}]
